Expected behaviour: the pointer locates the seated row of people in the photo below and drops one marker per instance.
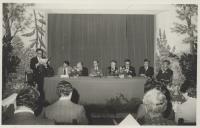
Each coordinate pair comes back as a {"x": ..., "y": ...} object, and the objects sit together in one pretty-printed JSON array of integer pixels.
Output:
[
  {"x": 112, "y": 70},
  {"x": 164, "y": 75}
]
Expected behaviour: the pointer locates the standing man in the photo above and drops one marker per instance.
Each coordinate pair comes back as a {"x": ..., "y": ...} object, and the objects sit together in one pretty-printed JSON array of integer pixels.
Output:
[
  {"x": 39, "y": 71},
  {"x": 146, "y": 70}
]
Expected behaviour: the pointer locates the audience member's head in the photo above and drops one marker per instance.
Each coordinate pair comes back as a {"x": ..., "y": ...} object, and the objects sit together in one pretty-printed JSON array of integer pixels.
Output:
[
  {"x": 166, "y": 64},
  {"x": 28, "y": 97},
  {"x": 127, "y": 63},
  {"x": 188, "y": 90},
  {"x": 64, "y": 89},
  {"x": 66, "y": 63},
  {"x": 146, "y": 62},
  {"x": 113, "y": 63},
  {"x": 95, "y": 63},
  {"x": 39, "y": 52},
  {"x": 155, "y": 102}
]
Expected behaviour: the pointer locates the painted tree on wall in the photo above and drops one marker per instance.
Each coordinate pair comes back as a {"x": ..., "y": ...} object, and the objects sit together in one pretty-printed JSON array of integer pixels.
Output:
[
  {"x": 14, "y": 22},
  {"x": 163, "y": 50},
  {"x": 187, "y": 14},
  {"x": 38, "y": 31}
]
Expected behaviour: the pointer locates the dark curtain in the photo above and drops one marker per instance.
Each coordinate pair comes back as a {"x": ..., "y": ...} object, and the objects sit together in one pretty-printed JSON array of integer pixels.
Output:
[{"x": 85, "y": 37}]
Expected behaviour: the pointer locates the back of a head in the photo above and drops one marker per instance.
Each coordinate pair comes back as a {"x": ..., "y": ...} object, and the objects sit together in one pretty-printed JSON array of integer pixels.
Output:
[
  {"x": 64, "y": 88},
  {"x": 28, "y": 97},
  {"x": 66, "y": 62},
  {"x": 155, "y": 101}
]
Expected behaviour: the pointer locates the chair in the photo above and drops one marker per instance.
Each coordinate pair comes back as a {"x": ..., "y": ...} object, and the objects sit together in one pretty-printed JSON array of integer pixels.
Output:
[{"x": 181, "y": 122}]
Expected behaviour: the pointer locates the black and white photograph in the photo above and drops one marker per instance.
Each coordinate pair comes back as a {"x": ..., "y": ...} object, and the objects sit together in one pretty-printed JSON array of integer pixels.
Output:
[{"x": 99, "y": 63}]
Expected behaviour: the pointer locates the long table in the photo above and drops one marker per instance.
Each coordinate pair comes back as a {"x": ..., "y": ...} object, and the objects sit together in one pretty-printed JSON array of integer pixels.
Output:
[{"x": 97, "y": 90}]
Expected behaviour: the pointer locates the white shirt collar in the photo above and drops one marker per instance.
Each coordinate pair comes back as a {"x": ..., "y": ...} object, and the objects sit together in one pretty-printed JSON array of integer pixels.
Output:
[{"x": 23, "y": 109}]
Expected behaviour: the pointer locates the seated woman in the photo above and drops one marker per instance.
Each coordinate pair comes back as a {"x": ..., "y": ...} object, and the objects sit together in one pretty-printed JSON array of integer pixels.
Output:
[
  {"x": 154, "y": 107},
  {"x": 80, "y": 70},
  {"x": 96, "y": 71},
  {"x": 64, "y": 69},
  {"x": 112, "y": 69},
  {"x": 165, "y": 74}
]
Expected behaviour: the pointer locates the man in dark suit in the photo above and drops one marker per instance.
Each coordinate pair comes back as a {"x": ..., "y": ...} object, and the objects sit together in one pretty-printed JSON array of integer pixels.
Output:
[
  {"x": 39, "y": 72},
  {"x": 112, "y": 69},
  {"x": 24, "y": 114},
  {"x": 146, "y": 70},
  {"x": 129, "y": 70},
  {"x": 165, "y": 74},
  {"x": 64, "y": 111}
]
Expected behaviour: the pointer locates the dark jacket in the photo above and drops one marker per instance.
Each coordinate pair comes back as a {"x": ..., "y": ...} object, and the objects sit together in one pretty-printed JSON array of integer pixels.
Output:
[
  {"x": 33, "y": 62},
  {"x": 84, "y": 72},
  {"x": 112, "y": 73},
  {"x": 25, "y": 118},
  {"x": 149, "y": 72},
  {"x": 165, "y": 77},
  {"x": 131, "y": 71}
]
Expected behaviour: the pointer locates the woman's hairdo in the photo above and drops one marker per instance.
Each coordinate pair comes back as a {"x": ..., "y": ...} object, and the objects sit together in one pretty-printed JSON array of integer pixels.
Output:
[
  {"x": 66, "y": 62},
  {"x": 113, "y": 61},
  {"x": 64, "y": 88},
  {"x": 127, "y": 60},
  {"x": 28, "y": 97},
  {"x": 146, "y": 60},
  {"x": 155, "y": 101},
  {"x": 167, "y": 61},
  {"x": 39, "y": 49}
]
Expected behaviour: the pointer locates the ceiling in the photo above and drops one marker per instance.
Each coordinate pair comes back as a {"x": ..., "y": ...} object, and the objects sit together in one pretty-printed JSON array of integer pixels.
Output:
[{"x": 103, "y": 8}]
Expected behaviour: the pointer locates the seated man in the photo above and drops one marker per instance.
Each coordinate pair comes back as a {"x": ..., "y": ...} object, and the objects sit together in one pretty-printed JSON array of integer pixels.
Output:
[
  {"x": 64, "y": 110},
  {"x": 80, "y": 70},
  {"x": 112, "y": 69},
  {"x": 49, "y": 69},
  {"x": 165, "y": 74},
  {"x": 187, "y": 110},
  {"x": 64, "y": 69},
  {"x": 146, "y": 70},
  {"x": 129, "y": 70},
  {"x": 24, "y": 114},
  {"x": 96, "y": 71}
]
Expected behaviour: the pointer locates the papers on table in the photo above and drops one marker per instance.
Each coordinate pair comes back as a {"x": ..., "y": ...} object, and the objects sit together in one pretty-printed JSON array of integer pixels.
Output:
[
  {"x": 10, "y": 100},
  {"x": 43, "y": 61},
  {"x": 129, "y": 120},
  {"x": 64, "y": 76}
]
